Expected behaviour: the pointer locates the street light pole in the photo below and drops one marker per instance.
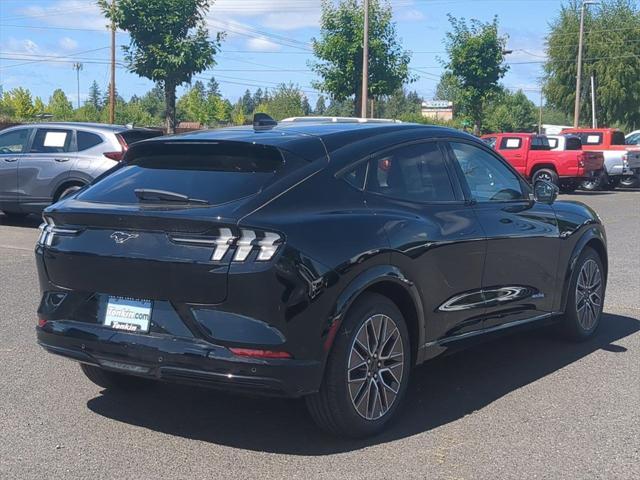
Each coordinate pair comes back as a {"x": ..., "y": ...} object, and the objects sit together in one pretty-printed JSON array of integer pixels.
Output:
[
  {"x": 576, "y": 111},
  {"x": 112, "y": 91},
  {"x": 365, "y": 62}
]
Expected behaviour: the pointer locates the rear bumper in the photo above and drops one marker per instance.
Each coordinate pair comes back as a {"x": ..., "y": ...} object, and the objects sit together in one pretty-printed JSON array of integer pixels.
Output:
[{"x": 176, "y": 359}]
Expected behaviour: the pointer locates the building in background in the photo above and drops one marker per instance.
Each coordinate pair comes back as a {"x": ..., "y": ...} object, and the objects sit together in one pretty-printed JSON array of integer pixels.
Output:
[{"x": 438, "y": 109}]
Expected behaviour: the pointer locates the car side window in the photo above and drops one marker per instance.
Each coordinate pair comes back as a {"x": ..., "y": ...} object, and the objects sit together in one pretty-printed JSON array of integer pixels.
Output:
[
  {"x": 87, "y": 140},
  {"x": 510, "y": 143},
  {"x": 489, "y": 180},
  {"x": 50, "y": 140},
  {"x": 357, "y": 176},
  {"x": 14, "y": 141},
  {"x": 415, "y": 173}
]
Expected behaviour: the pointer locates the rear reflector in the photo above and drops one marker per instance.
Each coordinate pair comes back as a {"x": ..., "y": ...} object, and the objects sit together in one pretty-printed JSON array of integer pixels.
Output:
[{"x": 250, "y": 352}]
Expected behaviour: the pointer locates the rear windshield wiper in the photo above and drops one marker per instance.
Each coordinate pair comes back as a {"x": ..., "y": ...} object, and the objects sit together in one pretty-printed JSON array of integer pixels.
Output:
[{"x": 153, "y": 195}]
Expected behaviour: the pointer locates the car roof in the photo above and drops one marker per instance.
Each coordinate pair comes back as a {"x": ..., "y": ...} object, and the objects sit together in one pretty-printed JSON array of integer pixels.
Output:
[
  {"x": 597, "y": 130},
  {"x": 319, "y": 137},
  {"x": 104, "y": 127}
]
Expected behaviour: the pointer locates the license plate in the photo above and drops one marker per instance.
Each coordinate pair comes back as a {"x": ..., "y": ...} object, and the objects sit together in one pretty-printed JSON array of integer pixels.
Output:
[{"x": 128, "y": 314}]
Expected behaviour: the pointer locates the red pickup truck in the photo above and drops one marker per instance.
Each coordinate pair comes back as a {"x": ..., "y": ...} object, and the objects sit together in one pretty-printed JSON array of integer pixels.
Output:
[
  {"x": 532, "y": 156},
  {"x": 621, "y": 161}
]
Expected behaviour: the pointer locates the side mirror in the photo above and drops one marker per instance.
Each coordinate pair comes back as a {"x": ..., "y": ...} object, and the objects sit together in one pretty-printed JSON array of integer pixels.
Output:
[{"x": 545, "y": 192}]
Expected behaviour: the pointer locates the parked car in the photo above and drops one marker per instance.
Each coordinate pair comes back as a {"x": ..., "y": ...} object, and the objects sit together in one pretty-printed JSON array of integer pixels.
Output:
[
  {"x": 41, "y": 163},
  {"x": 309, "y": 259},
  {"x": 632, "y": 139},
  {"x": 619, "y": 161},
  {"x": 533, "y": 156}
]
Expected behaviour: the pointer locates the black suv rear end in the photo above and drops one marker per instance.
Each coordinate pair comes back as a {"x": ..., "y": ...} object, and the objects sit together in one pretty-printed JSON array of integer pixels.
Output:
[{"x": 141, "y": 278}]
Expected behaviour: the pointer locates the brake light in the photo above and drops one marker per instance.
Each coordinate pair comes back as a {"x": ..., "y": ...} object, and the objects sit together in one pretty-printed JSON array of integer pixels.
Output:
[
  {"x": 117, "y": 156},
  {"x": 581, "y": 159},
  {"x": 48, "y": 230},
  {"x": 256, "y": 353}
]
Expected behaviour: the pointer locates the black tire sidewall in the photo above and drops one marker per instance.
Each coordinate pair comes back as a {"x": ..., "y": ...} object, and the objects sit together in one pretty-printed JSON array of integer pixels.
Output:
[
  {"x": 572, "y": 327},
  {"x": 548, "y": 171},
  {"x": 350, "y": 422}
]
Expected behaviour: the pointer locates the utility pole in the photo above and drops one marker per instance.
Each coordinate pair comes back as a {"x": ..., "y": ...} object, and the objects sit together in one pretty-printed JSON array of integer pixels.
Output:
[
  {"x": 365, "y": 62},
  {"x": 112, "y": 91},
  {"x": 594, "y": 120},
  {"x": 540, "y": 119},
  {"x": 77, "y": 67},
  {"x": 576, "y": 111}
]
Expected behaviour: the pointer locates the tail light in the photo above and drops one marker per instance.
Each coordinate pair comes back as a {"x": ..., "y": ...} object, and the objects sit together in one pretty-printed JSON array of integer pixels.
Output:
[
  {"x": 118, "y": 156},
  {"x": 581, "y": 159},
  {"x": 48, "y": 230},
  {"x": 242, "y": 247},
  {"x": 255, "y": 353}
]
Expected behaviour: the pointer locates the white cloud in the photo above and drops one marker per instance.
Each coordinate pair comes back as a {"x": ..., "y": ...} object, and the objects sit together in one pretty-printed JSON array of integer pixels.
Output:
[
  {"x": 410, "y": 15},
  {"x": 67, "y": 13},
  {"x": 67, "y": 43},
  {"x": 262, "y": 45}
]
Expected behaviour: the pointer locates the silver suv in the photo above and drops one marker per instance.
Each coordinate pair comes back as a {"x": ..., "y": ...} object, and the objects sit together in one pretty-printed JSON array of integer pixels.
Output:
[{"x": 41, "y": 163}]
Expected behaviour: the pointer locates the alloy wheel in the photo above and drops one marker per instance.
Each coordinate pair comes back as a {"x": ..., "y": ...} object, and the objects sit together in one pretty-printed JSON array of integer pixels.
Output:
[
  {"x": 589, "y": 294},
  {"x": 544, "y": 176},
  {"x": 376, "y": 367}
]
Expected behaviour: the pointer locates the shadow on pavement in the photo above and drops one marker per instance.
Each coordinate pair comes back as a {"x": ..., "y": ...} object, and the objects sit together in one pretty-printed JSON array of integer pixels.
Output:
[
  {"x": 28, "y": 221},
  {"x": 441, "y": 391}
]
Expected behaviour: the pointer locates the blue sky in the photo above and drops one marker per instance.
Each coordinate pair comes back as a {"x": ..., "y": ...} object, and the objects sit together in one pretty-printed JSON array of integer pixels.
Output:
[{"x": 267, "y": 43}]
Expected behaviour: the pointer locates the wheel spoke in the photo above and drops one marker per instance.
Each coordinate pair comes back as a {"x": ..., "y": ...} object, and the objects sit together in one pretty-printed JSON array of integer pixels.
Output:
[{"x": 375, "y": 367}]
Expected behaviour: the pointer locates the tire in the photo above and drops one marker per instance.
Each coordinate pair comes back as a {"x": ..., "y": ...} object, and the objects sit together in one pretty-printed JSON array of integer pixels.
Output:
[
  {"x": 113, "y": 380},
  {"x": 595, "y": 183},
  {"x": 612, "y": 184},
  {"x": 630, "y": 181},
  {"x": 68, "y": 191},
  {"x": 580, "y": 323},
  {"x": 546, "y": 174},
  {"x": 342, "y": 407}
]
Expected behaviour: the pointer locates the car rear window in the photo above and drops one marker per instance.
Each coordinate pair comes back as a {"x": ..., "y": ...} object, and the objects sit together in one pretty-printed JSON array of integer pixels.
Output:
[
  {"x": 87, "y": 140},
  {"x": 540, "y": 142},
  {"x": 617, "y": 138},
  {"x": 136, "y": 135},
  {"x": 215, "y": 172},
  {"x": 573, "y": 143}
]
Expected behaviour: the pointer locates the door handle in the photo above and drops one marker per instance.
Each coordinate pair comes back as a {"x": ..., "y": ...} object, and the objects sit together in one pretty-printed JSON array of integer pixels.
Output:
[
  {"x": 13, "y": 159},
  {"x": 61, "y": 159}
]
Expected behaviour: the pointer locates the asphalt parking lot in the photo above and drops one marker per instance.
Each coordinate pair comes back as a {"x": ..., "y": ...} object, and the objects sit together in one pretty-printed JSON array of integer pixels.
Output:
[{"x": 525, "y": 406}]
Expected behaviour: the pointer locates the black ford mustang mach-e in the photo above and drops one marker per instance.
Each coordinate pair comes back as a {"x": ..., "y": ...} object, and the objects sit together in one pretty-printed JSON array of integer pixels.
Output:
[{"x": 322, "y": 259}]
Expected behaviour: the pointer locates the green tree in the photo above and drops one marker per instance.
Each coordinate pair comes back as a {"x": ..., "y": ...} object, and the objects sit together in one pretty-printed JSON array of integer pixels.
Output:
[
  {"x": 192, "y": 106},
  {"x": 286, "y": 101},
  {"x": 339, "y": 52},
  {"x": 213, "y": 87},
  {"x": 153, "y": 103},
  {"x": 611, "y": 52},
  {"x": 169, "y": 42},
  {"x": 476, "y": 61},
  {"x": 60, "y": 106},
  {"x": 510, "y": 112},
  {"x": 258, "y": 97},
  {"x": 321, "y": 106},
  {"x": 400, "y": 105},
  {"x": 237, "y": 114},
  {"x": 38, "y": 106},
  {"x": 18, "y": 103},
  {"x": 95, "y": 96},
  {"x": 247, "y": 103}
]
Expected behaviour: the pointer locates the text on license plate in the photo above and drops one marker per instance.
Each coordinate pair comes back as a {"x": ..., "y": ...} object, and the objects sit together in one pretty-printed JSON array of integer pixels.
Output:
[{"x": 128, "y": 314}]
